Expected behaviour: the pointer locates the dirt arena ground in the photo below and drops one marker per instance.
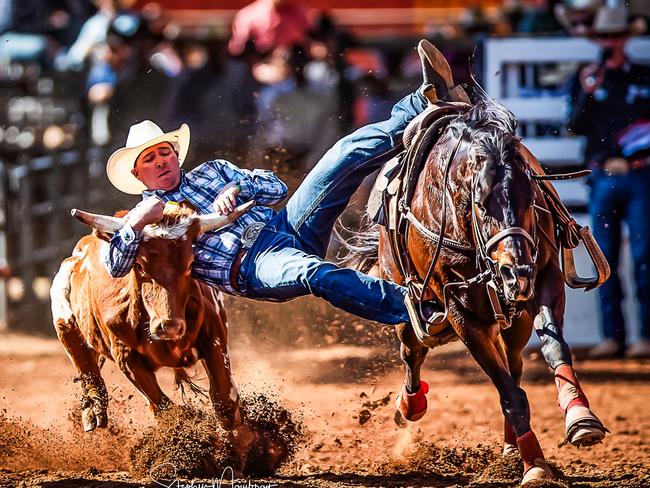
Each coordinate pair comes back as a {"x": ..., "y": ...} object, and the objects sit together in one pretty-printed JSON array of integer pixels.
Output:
[{"x": 344, "y": 390}]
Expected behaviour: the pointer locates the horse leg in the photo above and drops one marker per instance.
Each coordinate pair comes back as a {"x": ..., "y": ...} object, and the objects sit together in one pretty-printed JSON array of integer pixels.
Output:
[
  {"x": 411, "y": 401},
  {"x": 134, "y": 367},
  {"x": 514, "y": 339},
  {"x": 484, "y": 345},
  {"x": 583, "y": 427}
]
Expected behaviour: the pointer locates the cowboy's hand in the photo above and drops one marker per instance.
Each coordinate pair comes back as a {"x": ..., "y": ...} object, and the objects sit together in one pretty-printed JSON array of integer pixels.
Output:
[
  {"x": 146, "y": 212},
  {"x": 225, "y": 201},
  {"x": 591, "y": 77}
]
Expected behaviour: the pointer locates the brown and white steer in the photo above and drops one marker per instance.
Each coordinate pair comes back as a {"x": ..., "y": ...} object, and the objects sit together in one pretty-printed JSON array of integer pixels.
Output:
[{"x": 157, "y": 315}]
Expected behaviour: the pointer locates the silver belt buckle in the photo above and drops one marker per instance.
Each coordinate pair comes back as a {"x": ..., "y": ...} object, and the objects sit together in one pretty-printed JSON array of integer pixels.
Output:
[{"x": 251, "y": 233}]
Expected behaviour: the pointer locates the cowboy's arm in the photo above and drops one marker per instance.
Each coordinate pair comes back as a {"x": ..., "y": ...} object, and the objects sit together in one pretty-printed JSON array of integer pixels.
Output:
[
  {"x": 260, "y": 185},
  {"x": 124, "y": 243},
  {"x": 122, "y": 251}
]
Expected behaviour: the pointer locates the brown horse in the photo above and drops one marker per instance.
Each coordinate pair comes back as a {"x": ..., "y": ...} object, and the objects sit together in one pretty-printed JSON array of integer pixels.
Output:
[{"x": 499, "y": 239}]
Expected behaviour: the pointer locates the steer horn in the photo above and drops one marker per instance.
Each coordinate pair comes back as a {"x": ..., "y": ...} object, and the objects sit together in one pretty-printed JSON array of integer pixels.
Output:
[
  {"x": 102, "y": 223},
  {"x": 216, "y": 221}
]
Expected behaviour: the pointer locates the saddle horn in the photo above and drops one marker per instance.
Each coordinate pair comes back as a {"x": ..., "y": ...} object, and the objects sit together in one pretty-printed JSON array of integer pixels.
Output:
[{"x": 597, "y": 257}]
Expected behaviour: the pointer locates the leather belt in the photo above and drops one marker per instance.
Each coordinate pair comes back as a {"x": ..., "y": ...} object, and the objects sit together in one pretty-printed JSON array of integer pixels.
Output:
[
  {"x": 248, "y": 238},
  {"x": 234, "y": 269}
]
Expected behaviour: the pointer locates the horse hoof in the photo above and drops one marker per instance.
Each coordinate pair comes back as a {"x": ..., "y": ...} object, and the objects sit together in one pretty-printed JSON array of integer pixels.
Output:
[
  {"x": 413, "y": 406},
  {"x": 583, "y": 428},
  {"x": 541, "y": 471},
  {"x": 509, "y": 449}
]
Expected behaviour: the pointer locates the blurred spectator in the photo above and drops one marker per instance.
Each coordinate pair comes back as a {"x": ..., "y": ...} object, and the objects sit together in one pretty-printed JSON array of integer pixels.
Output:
[
  {"x": 268, "y": 24},
  {"x": 610, "y": 104},
  {"x": 214, "y": 95},
  {"x": 328, "y": 65},
  {"x": 129, "y": 83},
  {"x": 297, "y": 110},
  {"x": 35, "y": 29},
  {"x": 92, "y": 34},
  {"x": 537, "y": 18}
]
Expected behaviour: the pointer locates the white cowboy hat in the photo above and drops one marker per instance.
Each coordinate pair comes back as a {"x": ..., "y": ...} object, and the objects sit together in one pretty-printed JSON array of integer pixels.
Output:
[
  {"x": 141, "y": 136},
  {"x": 617, "y": 20}
]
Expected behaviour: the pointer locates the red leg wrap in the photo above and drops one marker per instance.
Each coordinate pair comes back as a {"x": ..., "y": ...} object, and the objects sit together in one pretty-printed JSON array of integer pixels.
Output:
[
  {"x": 413, "y": 406},
  {"x": 529, "y": 449},
  {"x": 570, "y": 393}
]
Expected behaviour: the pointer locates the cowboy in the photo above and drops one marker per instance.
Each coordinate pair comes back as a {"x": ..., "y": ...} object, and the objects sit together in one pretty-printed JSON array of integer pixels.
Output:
[
  {"x": 266, "y": 255},
  {"x": 611, "y": 106}
]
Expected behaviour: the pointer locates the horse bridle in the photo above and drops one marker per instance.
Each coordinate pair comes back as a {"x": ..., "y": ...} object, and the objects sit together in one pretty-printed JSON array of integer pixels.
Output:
[{"x": 489, "y": 274}]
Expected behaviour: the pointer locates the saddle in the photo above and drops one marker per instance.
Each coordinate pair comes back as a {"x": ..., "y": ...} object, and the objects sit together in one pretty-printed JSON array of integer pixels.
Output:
[{"x": 399, "y": 175}]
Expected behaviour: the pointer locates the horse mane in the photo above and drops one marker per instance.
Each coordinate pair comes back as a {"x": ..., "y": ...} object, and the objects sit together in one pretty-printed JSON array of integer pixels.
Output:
[{"x": 492, "y": 128}]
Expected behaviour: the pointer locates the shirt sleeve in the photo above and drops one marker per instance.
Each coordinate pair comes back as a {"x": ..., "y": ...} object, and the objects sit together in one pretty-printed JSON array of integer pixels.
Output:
[
  {"x": 240, "y": 34},
  {"x": 260, "y": 185},
  {"x": 122, "y": 251}
]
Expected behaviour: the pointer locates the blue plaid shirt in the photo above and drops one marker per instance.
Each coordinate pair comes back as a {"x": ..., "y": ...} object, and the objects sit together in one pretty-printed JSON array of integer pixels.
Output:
[{"x": 214, "y": 251}]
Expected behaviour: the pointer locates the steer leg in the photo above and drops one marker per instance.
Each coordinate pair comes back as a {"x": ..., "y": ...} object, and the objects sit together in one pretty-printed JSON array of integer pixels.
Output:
[
  {"x": 94, "y": 397},
  {"x": 135, "y": 368},
  {"x": 223, "y": 391},
  {"x": 483, "y": 343},
  {"x": 412, "y": 400},
  {"x": 583, "y": 427}
]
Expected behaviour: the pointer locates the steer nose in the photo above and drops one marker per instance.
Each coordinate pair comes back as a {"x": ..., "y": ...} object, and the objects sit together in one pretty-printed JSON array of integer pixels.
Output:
[
  {"x": 518, "y": 280},
  {"x": 169, "y": 329}
]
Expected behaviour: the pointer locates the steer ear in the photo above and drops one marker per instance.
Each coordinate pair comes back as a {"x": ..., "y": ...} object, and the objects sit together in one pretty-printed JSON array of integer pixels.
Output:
[
  {"x": 216, "y": 221},
  {"x": 102, "y": 223}
]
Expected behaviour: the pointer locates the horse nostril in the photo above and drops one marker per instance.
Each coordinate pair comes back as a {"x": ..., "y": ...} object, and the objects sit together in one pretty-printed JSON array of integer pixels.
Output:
[
  {"x": 525, "y": 271},
  {"x": 507, "y": 273}
]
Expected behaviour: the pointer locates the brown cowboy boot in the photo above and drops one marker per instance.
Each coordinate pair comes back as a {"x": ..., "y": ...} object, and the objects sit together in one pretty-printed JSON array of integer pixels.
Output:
[{"x": 436, "y": 72}]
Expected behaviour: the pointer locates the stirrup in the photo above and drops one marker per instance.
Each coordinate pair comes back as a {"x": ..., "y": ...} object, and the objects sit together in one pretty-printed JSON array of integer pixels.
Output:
[{"x": 426, "y": 331}]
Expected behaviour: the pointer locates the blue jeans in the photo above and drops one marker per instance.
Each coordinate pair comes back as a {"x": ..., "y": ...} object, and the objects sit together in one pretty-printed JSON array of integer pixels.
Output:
[
  {"x": 614, "y": 199},
  {"x": 287, "y": 259}
]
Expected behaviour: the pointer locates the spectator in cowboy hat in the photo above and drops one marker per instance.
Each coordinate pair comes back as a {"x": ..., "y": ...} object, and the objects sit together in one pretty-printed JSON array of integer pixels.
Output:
[{"x": 610, "y": 102}]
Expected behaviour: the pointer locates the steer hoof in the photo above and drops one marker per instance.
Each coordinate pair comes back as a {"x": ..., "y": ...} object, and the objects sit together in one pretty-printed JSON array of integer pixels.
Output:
[
  {"x": 413, "y": 406},
  {"x": 91, "y": 420},
  {"x": 94, "y": 403},
  {"x": 583, "y": 428}
]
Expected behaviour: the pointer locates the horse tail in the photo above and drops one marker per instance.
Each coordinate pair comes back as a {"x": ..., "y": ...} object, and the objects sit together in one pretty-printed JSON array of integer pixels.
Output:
[{"x": 360, "y": 250}]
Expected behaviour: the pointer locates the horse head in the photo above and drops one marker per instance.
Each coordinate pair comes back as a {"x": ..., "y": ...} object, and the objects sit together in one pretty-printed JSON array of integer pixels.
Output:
[{"x": 501, "y": 196}]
